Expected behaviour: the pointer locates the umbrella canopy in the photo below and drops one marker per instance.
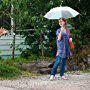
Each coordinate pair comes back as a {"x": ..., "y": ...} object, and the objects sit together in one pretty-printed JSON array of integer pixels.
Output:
[{"x": 61, "y": 12}]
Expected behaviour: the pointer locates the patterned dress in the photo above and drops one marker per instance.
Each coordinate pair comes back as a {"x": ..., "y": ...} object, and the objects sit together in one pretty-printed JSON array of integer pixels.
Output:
[{"x": 63, "y": 47}]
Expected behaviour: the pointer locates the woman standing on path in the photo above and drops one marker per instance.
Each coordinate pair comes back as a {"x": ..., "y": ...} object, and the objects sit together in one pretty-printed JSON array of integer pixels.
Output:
[{"x": 63, "y": 49}]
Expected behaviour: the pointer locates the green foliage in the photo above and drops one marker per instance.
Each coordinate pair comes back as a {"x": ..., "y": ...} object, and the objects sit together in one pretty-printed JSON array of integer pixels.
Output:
[
  {"x": 81, "y": 22},
  {"x": 17, "y": 61},
  {"x": 5, "y": 14},
  {"x": 7, "y": 71},
  {"x": 31, "y": 16},
  {"x": 28, "y": 14}
]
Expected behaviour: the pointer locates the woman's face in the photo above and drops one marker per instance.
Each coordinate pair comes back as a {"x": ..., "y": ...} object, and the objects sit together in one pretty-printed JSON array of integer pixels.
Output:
[{"x": 61, "y": 22}]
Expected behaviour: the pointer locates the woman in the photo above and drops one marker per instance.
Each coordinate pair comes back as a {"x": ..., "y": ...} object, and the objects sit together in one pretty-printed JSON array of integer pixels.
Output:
[{"x": 63, "y": 49}]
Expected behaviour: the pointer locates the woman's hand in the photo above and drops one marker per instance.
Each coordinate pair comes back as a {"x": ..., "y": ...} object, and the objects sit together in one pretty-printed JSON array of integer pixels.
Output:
[
  {"x": 59, "y": 36},
  {"x": 62, "y": 29}
]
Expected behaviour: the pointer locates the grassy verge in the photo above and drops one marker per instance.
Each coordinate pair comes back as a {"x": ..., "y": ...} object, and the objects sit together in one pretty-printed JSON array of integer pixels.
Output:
[
  {"x": 78, "y": 72},
  {"x": 10, "y": 70},
  {"x": 7, "y": 71},
  {"x": 86, "y": 71}
]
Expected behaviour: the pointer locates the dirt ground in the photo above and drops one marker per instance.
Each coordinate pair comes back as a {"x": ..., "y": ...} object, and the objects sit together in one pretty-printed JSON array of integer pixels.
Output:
[{"x": 74, "y": 82}]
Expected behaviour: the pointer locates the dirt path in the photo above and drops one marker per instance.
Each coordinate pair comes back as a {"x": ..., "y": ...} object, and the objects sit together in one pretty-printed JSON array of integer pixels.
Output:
[{"x": 74, "y": 82}]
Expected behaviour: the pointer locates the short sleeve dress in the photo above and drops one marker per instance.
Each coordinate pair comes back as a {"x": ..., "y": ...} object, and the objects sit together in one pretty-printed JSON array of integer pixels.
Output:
[{"x": 63, "y": 46}]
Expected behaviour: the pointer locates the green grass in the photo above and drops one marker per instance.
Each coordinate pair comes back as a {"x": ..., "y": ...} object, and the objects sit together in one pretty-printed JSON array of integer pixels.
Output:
[
  {"x": 28, "y": 74},
  {"x": 9, "y": 71},
  {"x": 78, "y": 72},
  {"x": 32, "y": 58},
  {"x": 86, "y": 71}
]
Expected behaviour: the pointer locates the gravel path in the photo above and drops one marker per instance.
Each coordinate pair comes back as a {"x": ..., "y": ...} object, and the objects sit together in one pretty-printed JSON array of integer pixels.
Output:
[{"x": 74, "y": 82}]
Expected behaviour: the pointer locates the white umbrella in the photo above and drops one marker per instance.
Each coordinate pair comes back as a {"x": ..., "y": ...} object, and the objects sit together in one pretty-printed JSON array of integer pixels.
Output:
[{"x": 61, "y": 12}]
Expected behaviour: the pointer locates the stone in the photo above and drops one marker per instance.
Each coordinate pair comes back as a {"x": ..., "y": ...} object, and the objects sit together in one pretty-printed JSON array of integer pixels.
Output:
[
  {"x": 43, "y": 64},
  {"x": 44, "y": 70},
  {"x": 41, "y": 67}
]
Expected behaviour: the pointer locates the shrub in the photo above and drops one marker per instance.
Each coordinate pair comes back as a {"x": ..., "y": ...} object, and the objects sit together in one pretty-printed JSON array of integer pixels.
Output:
[{"x": 7, "y": 71}]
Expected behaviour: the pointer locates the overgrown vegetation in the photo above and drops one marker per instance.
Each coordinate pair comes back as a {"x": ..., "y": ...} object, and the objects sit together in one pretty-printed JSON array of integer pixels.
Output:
[
  {"x": 9, "y": 71},
  {"x": 28, "y": 14}
]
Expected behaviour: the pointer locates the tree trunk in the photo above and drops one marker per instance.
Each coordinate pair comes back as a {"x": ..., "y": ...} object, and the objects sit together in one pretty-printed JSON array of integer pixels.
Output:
[{"x": 12, "y": 31}]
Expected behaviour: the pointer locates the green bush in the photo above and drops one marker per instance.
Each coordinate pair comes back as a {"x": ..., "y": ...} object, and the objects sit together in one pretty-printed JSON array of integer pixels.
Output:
[{"x": 9, "y": 71}]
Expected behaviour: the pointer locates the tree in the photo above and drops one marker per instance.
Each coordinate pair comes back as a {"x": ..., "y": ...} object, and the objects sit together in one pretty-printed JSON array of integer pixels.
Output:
[
  {"x": 81, "y": 22},
  {"x": 5, "y": 14},
  {"x": 31, "y": 16}
]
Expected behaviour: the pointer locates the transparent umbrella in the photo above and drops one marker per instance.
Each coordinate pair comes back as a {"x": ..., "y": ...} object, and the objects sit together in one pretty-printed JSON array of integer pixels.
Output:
[{"x": 61, "y": 12}]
